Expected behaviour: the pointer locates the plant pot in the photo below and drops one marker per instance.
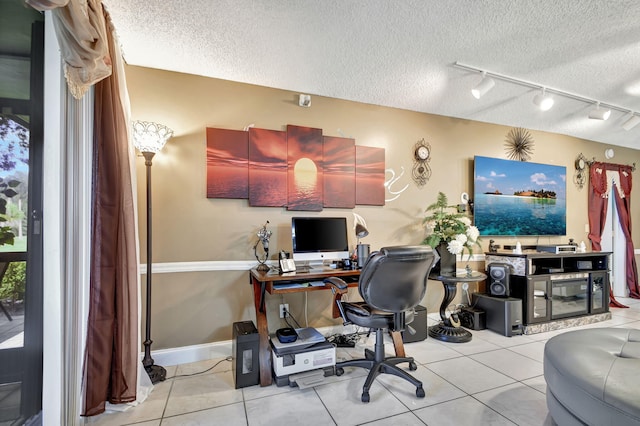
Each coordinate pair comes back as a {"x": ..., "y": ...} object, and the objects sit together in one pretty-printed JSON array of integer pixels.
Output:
[{"x": 447, "y": 262}]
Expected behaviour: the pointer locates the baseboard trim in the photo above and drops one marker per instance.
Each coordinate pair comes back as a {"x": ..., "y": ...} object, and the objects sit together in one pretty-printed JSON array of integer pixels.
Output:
[{"x": 215, "y": 350}]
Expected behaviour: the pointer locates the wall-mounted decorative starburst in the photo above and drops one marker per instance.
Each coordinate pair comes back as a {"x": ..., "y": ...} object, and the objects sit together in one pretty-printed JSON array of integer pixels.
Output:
[{"x": 519, "y": 144}]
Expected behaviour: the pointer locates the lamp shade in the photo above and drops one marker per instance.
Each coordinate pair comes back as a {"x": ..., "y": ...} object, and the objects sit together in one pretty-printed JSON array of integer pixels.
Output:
[
  {"x": 149, "y": 136},
  {"x": 600, "y": 113},
  {"x": 360, "y": 226},
  {"x": 483, "y": 87},
  {"x": 632, "y": 122},
  {"x": 543, "y": 101}
]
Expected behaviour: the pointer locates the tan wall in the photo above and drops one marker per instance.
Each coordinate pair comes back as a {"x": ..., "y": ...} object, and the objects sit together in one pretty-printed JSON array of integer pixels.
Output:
[{"x": 195, "y": 308}]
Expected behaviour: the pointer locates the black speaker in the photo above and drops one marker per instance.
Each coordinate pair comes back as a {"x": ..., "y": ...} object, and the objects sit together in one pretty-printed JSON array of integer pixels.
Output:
[
  {"x": 504, "y": 314},
  {"x": 473, "y": 318},
  {"x": 498, "y": 279}
]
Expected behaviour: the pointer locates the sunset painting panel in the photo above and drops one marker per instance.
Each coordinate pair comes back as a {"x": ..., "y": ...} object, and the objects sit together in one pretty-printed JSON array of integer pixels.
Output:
[
  {"x": 267, "y": 168},
  {"x": 305, "y": 168},
  {"x": 227, "y": 163},
  {"x": 369, "y": 176},
  {"x": 339, "y": 159}
]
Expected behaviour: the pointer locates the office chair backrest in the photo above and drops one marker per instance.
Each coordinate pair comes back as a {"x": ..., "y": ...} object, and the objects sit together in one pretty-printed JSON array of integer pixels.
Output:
[{"x": 394, "y": 279}]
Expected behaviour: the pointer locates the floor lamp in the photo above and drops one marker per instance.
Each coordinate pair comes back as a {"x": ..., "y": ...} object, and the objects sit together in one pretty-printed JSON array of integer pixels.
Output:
[{"x": 149, "y": 138}]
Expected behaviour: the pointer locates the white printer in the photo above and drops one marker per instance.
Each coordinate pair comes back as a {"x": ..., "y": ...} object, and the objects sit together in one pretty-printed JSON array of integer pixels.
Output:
[{"x": 311, "y": 351}]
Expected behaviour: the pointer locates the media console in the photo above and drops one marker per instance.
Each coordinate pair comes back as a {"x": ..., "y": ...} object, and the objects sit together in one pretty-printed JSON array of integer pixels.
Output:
[{"x": 557, "y": 286}]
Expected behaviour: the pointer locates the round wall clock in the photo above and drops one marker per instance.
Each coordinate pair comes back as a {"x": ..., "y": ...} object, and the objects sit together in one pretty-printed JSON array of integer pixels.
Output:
[{"x": 421, "y": 157}]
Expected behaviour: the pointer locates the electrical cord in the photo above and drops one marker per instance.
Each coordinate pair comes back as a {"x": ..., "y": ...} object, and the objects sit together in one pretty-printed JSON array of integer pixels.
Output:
[
  {"x": 288, "y": 315},
  {"x": 229, "y": 358}
]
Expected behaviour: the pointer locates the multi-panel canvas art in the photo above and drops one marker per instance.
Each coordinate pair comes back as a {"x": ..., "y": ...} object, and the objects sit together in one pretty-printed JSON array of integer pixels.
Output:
[
  {"x": 227, "y": 161},
  {"x": 305, "y": 169},
  {"x": 267, "y": 168},
  {"x": 369, "y": 175},
  {"x": 339, "y": 172},
  {"x": 300, "y": 169}
]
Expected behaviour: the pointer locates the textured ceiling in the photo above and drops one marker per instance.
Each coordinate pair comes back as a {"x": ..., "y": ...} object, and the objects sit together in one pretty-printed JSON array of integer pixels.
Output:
[{"x": 401, "y": 53}]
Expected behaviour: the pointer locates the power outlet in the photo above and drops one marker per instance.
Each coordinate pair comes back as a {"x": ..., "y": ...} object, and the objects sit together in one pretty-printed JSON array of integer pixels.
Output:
[{"x": 284, "y": 308}]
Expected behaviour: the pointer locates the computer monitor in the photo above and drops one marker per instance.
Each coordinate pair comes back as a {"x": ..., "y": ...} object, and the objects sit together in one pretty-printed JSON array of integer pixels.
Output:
[{"x": 319, "y": 239}]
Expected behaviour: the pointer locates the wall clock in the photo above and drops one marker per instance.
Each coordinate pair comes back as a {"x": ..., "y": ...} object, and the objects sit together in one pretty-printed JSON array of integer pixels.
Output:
[
  {"x": 581, "y": 171},
  {"x": 421, "y": 157}
]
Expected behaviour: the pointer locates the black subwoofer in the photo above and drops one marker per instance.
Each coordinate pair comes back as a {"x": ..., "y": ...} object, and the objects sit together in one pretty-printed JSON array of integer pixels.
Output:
[{"x": 498, "y": 279}]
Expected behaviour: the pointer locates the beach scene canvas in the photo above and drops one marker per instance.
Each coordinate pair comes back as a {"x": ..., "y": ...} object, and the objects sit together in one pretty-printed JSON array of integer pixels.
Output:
[{"x": 519, "y": 198}]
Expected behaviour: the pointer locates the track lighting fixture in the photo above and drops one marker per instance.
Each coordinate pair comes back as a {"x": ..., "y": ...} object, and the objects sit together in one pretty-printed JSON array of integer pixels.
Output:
[
  {"x": 599, "y": 113},
  {"x": 483, "y": 87},
  {"x": 632, "y": 122},
  {"x": 543, "y": 101}
]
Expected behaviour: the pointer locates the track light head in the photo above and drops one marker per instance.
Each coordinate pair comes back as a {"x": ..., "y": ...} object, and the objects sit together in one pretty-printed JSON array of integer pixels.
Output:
[
  {"x": 632, "y": 122},
  {"x": 483, "y": 87},
  {"x": 600, "y": 113},
  {"x": 543, "y": 101}
]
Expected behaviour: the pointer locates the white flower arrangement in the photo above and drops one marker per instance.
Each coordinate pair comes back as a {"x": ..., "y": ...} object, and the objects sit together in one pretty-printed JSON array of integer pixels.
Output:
[{"x": 455, "y": 229}]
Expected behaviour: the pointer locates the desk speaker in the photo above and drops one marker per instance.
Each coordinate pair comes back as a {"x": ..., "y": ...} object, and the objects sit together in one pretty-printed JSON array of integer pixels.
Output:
[{"x": 498, "y": 279}]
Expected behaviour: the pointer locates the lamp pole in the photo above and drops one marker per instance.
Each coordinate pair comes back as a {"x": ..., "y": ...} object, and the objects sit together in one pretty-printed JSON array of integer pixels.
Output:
[
  {"x": 156, "y": 373},
  {"x": 149, "y": 138}
]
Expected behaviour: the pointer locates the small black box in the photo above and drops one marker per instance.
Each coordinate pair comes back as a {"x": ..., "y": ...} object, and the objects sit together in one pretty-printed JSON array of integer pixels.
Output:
[
  {"x": 245, "y": 350},
  {"x": 473, "y": 318},
  {"x": 419, "y": 324}
]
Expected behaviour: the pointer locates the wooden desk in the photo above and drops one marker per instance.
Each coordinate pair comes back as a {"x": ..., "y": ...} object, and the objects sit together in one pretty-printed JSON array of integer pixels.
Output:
[{"x": 264, "y": 282}]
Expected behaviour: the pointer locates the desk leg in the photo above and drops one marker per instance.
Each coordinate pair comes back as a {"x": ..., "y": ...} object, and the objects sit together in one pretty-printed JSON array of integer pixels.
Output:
[
  {"x": 263, "y": 331},
  {"x": 444, "y": 330},
  {"x": 398, "y": 344}
]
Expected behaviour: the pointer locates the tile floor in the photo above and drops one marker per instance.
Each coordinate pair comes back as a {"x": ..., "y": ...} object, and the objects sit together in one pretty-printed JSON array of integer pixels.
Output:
[{"x": 493, "y": 380}]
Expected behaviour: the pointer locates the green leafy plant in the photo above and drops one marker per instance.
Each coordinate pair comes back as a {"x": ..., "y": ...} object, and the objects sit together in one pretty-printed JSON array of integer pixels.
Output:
[
  {"x": 7, "y": 190},
  {"x": 452, "y": 228},
  {"x": 13, "y": 282}
]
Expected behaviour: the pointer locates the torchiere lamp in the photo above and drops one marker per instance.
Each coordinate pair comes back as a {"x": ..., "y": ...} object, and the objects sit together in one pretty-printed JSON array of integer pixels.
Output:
[{"x": 149, "y": 138}]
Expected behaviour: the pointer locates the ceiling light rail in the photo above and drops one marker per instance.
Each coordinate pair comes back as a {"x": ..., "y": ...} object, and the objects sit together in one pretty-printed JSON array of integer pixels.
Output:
[{"x": 602, "y": 107}]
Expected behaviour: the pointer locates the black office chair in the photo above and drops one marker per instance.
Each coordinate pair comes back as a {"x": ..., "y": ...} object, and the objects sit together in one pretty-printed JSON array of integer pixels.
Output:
[{"x": 392, "y": 282}]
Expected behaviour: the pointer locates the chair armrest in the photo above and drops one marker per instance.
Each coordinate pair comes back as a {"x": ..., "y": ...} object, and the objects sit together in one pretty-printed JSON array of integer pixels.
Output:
[
  {"x": 338, "y": 288},
  {"x": 336, "y": 283}
]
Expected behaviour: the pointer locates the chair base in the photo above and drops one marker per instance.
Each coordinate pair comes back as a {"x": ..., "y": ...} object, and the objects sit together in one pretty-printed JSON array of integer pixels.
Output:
[{"x": 377, "y": 364}]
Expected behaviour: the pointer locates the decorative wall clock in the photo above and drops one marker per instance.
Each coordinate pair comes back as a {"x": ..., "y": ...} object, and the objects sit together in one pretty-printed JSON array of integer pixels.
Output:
[
  {"x": 581, "y": 171},
  {"x": 421, "y": 157},
  {"x": 519, "y": 144}
]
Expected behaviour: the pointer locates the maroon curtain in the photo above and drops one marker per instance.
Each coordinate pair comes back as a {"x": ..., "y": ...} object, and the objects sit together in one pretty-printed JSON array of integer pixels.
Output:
[
  {"x": 599, "y": 191},
  {"x": 111, "y": 357}
]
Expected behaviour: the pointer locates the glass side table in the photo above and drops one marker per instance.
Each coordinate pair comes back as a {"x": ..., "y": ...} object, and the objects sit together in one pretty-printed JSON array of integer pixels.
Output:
[{"x": 445, "y": 330}]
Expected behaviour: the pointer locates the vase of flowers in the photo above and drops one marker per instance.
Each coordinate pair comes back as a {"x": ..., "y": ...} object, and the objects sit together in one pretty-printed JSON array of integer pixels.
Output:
[{"x": 450, "y": 233}]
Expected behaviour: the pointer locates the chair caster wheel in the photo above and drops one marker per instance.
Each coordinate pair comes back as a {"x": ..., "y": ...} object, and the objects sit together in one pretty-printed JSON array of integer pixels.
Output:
[
  {"x": 365, "y": 396},
  {"x": 420, "y": 392},
  {"x": 339, "y": 371},
  {"x": 413, "y": 366}
]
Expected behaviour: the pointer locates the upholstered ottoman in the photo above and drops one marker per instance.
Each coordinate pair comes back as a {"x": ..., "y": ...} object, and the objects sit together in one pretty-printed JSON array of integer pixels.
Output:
[{"x": 593, "y": 377}]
